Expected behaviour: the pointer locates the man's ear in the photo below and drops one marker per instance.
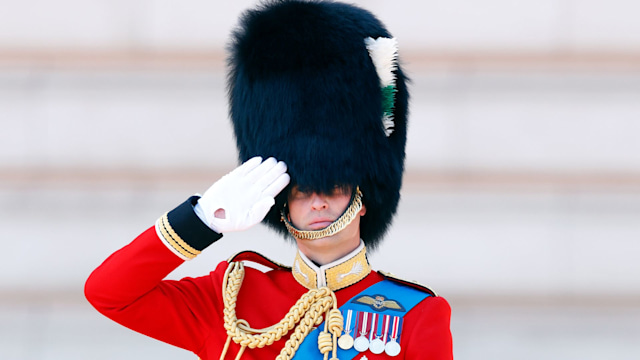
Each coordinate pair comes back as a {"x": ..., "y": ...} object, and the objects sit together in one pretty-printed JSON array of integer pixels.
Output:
[{"x": 363, "y": 210}]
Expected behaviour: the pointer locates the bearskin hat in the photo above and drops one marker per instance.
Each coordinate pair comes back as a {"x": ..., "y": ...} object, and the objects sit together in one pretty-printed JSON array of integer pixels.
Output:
[{"x": 304, "y": 89}]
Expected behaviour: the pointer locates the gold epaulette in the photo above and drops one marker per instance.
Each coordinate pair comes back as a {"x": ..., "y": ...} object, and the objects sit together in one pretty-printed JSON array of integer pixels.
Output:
[
  {"x": 258, "y": 259},
  {"x": 413, "y": 284}
]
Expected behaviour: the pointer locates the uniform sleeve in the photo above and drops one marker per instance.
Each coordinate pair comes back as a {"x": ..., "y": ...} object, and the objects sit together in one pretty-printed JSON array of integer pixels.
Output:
[
  {"x": 426, "y": 332},
  {"x": 128, "y": 287}
]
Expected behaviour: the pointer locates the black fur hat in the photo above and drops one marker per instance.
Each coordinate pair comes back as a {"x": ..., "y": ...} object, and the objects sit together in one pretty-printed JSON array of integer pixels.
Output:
[{"x": 304, "y": 89}]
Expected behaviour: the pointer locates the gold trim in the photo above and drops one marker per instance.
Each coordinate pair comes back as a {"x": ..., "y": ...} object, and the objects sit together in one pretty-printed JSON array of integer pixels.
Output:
[
  {"x": 348, "y": 272},
  {"x": 304, "y": 274},
  {"x": 345, "y": 219},
  {"x": 174, "y": 240},
  {"x": 336, "y": 275}
]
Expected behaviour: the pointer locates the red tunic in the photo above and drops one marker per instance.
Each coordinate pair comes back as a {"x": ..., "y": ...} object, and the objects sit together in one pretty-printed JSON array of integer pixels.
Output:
[{"x": 129, "y": 289}]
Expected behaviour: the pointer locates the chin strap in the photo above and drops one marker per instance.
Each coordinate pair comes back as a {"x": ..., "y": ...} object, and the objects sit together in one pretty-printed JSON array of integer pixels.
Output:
[
  {"x": 306, "y": 313},
  {"x": 345, "y": 219}
]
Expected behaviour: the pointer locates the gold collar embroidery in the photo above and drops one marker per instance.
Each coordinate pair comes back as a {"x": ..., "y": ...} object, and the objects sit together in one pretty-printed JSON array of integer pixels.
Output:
[{"x": 336, "y": 275}]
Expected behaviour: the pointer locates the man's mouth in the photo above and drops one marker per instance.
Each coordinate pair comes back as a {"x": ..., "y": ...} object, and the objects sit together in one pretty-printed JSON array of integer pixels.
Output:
[{"x": 318, "y": 224}]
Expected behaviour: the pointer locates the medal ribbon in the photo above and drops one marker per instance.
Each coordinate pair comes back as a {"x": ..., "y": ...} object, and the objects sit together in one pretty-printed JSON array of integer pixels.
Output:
[
  {"x": 396, "y": 328},
  {"x": 363, "y": 324},
  {"x": 374, "y": 325},
  {"x": 347, "y": 325},
  {"x": 386, "y": 328}
]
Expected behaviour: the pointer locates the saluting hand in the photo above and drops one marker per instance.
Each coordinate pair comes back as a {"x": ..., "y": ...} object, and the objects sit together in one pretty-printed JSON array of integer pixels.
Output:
[{"x": 243, "y": 197}]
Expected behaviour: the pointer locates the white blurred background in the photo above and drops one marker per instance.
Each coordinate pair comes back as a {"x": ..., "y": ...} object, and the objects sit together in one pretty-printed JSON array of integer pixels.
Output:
[{"x": 521, "y": 202}]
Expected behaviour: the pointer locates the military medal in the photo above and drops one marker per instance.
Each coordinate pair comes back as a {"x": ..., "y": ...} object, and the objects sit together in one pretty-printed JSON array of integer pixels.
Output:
[
  {"x": 392, "y": 348},
  {"x": 346, "y": 341},
  {"x": 362, "y": 343},
  {"x": 376, "y": 345}
]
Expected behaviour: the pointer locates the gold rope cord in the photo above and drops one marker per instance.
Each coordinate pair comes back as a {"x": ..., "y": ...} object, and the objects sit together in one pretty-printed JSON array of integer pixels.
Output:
[{"x": 306, "y": 313}]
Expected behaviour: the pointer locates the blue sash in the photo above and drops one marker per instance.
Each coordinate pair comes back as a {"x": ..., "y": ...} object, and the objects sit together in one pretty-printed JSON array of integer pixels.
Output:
[{"x": 405, "y": 296}]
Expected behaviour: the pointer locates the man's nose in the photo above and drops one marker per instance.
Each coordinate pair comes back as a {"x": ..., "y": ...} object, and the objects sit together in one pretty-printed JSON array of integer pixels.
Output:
[{"x": 319, "y": 202}]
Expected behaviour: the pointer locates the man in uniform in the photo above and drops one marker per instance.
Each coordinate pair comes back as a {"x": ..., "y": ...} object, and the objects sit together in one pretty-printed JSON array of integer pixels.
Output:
[{"x": 317, "y": 86}]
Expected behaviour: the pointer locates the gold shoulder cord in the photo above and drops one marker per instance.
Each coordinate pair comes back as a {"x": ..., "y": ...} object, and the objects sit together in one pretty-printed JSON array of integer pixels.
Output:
[{"x": 306, "y": 313}]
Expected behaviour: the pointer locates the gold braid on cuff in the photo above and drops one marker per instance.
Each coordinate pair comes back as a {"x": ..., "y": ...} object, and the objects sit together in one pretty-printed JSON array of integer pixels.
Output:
[{"x": 345, "y": 219}]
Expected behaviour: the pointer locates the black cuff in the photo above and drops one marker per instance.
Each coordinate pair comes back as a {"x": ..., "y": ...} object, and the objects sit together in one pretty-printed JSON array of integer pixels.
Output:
[
  {"x": 188, "y": 226},
  {"x": 183, "y": 232}
]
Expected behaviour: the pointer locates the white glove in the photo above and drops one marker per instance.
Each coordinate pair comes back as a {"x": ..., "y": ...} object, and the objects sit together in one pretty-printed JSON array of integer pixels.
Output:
[{"x": 243, "y": 197}]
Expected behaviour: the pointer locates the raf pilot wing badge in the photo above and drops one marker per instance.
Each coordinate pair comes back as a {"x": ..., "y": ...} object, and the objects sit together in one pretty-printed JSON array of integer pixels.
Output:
[{"x": 379, "y": 303}]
